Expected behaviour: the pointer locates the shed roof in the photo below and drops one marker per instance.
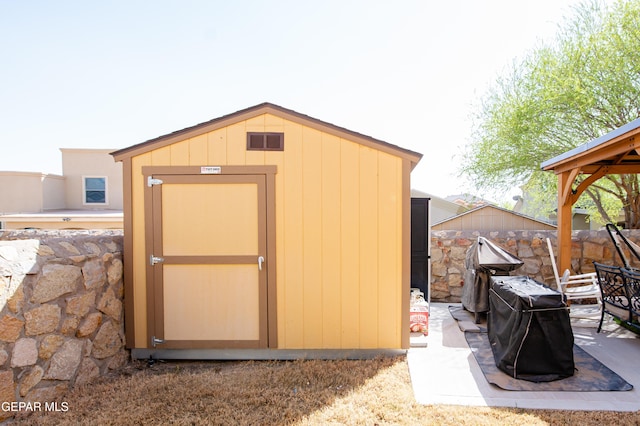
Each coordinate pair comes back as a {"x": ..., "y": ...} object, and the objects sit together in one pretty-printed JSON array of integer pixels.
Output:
[{"x": 265, "y": 108}]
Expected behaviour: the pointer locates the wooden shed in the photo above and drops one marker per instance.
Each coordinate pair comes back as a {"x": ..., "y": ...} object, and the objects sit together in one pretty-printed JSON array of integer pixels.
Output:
[
  {"x": 266, "y": 233},
  {"x": 492, "y": 218}
]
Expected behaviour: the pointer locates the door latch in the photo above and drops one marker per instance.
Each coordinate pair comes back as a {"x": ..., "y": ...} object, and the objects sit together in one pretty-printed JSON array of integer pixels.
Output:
[
  {"x": 260, "y": 262},
  {"x": 155, "y": 341},
  {"x": 155, "y": 259}
]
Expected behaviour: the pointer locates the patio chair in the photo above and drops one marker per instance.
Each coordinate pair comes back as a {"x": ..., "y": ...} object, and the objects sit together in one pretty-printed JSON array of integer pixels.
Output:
[
  {"x": 618, "y": 239},
  {"x": 615, "y": 294},
  {"x": 632, "y": 285},
  {"x": 579, "y": 287}
]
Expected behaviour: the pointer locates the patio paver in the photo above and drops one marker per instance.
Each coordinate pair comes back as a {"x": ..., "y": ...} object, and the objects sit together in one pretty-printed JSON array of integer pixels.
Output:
[{"x": 446, "y": 372}]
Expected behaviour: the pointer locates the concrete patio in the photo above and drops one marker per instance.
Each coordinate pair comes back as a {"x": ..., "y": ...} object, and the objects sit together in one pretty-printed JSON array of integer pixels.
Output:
[{"x": 444, "y": 371}]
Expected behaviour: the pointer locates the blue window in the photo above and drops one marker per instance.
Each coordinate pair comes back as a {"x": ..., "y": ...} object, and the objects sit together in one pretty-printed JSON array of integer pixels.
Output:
[{"x": 95, "y": 190}]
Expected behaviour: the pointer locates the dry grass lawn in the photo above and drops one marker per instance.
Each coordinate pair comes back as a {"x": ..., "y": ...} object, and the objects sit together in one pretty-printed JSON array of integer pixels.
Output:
[{"x": 310, "y": 392}]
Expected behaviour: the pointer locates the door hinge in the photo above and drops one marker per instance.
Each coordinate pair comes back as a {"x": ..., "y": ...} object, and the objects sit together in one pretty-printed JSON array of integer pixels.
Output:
[
  {"x": 151, "y": 181},
  {"x": 155, "y": 341},
  {"x": 155, "y": 259}
]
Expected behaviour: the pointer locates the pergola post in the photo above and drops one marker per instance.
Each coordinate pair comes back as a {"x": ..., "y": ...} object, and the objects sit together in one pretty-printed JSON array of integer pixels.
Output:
[{"x": 565, "y": 218}]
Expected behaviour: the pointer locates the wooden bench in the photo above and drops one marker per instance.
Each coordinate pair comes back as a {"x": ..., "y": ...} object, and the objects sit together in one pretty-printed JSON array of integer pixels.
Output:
[{"x": 620, "y": 289}]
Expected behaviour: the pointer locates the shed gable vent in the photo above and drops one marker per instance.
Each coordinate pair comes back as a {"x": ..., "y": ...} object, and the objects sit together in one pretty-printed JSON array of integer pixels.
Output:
[{"x": 265, "y": 141}]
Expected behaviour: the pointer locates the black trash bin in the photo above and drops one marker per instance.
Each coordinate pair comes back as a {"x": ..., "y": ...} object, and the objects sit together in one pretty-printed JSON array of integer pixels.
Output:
[
  {"x": 484, "y": 259},
  {"x": 529, "y": 330}
]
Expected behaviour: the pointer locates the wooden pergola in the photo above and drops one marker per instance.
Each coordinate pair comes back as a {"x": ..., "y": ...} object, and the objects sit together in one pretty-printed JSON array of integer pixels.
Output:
[{"x": 614, "y": 153}]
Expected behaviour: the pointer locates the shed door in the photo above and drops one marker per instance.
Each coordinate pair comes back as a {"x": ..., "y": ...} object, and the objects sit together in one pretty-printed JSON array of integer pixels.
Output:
[{"x": 209, "y": 242}]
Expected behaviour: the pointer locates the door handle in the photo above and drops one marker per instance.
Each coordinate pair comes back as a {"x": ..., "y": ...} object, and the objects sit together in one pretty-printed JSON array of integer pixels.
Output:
[{"x": 260, "y": 262}]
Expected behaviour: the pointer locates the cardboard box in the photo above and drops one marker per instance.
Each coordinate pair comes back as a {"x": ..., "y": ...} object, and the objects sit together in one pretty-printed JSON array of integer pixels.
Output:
[{"x": 419, "y": 319}]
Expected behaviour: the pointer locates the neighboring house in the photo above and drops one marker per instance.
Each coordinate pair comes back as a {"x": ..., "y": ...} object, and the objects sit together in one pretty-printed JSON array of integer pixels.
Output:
[
  {"x": 581, "y": 220},
  {"x": 491, "y": 218},
  {"x": 88, "y": 194},
  {"x": 440, "y": 209},
  {"x": 30, "y": 192}
]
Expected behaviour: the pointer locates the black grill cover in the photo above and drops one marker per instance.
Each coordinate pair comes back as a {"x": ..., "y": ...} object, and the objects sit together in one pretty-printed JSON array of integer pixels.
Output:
[
  {"x": 529, "y": 330},
  {"x": 484, "y": 258}
]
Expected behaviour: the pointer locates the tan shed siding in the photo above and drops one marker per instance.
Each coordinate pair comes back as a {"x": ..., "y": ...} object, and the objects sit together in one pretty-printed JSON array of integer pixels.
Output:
[
  {"x": 331, "y": 254},
  {"x": 138, "y": 240},
  {"x": 290, "y": 278},
  {"x": 217, "y": 147},
  {"x": 198, "y": 150},
  {"x": 513, "y": 222},
  {"x": 338, "y": 231},
  {"x": 179, "y": 153},
  {"x": 236, "y": 144},
  {"x": 342, "y": 254},
  {"x": 312, "y": 203},
  {"x": 368, "y": 222},
  {"x": 389, "y": 250},
  {"x": 491, "y": 219},
  {"x": 349, "y": 243}
]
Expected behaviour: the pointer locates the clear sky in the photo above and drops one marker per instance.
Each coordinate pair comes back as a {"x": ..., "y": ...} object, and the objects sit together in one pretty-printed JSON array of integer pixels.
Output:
[{"x": 110, "y": 74}]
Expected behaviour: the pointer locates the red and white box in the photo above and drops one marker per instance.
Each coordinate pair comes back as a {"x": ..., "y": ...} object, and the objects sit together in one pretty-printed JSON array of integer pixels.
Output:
[{"x": 419, "y": 319}]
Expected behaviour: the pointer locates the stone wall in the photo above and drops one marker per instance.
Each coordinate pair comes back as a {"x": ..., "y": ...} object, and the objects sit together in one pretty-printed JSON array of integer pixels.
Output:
[
  {"x": 449, "y": 248},
  {"x": 61, "y": 316}
]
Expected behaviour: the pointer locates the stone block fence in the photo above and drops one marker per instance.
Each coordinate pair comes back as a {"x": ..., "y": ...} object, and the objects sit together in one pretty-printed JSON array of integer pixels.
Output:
[
  {"x": 61, "y": 312},
  {"x": 449, "y": 248}
]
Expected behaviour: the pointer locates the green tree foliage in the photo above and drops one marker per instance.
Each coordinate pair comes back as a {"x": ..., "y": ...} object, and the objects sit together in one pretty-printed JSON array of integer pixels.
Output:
[{"x": 582, "y": 85}]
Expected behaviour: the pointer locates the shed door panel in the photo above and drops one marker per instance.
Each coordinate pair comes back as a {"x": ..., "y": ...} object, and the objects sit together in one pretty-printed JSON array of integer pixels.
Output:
[
  {"x": 210, "y": 287},
  {"x": 200, "y": 294},
  {"x": 222, "y": 219}
]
